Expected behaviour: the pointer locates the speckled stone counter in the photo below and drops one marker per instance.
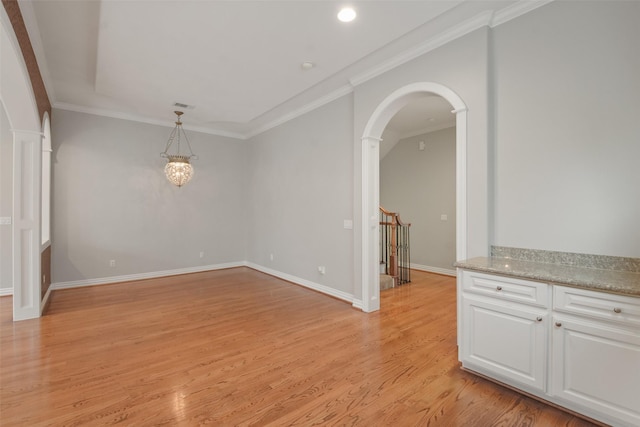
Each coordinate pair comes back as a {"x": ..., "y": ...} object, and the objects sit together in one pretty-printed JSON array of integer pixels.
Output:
[{"x": 620, "y": 281}]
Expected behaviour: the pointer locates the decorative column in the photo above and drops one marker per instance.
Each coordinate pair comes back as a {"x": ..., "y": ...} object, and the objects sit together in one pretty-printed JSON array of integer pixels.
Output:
[
  {"x": 371, "y": 221},
  {"x": 27, "y": 170}
]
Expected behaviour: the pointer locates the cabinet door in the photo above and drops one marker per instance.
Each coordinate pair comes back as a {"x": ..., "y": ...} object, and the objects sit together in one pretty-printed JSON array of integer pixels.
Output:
[
  {"x": 597, "y": 366},
  {"x": 505, "y": 341}
]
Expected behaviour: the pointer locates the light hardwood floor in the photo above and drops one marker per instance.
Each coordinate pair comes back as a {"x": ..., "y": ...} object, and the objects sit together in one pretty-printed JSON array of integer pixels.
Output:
[{"x": 237, "y": 347}]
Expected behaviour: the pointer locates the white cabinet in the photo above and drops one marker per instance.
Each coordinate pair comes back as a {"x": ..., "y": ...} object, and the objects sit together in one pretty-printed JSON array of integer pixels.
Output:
[
  {"x": 505, "y": 329},
  {"x": 576, "y": 348},
  {"x": 595, "y": 363},
  {"x": 505, "y": 341}
]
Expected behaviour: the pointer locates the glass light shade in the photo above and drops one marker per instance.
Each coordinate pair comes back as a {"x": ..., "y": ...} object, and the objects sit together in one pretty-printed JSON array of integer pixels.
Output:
[{"x": 178, "y": 170}]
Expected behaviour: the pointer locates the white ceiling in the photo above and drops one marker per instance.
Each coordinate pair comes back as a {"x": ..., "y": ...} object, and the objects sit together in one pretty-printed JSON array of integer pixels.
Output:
[{"x": 237, "y": 62}]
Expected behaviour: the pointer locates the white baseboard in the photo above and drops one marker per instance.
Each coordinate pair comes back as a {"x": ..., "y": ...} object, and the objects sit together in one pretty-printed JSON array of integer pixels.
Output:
[
  {"x": 437, "y": 270},
  {"x": 306, "y": 283},
  {"x": 156, "y": 274},
  {"x": 5, "y": 292},
  {"x": 141, "y": 276}
]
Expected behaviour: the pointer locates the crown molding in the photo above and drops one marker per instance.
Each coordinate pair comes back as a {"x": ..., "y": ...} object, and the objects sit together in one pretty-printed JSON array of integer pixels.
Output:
[
  {"x": 332, "y": 96},
  {"x": 516, "y": 10},
  {"x": 142, "y": 119},
  {"x": 481, "y": 20},
  {"x": 484, "y": 19}
]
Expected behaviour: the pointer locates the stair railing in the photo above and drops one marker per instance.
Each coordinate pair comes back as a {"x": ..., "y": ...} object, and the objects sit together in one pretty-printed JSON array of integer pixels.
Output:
[{"x": 395, "y": 259}]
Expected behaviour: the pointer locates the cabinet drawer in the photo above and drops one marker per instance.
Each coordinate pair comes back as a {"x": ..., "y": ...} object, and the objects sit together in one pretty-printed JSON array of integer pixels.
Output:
[
  {"x": 598, "y": 305},
  {"x": 506, "y": 288}
]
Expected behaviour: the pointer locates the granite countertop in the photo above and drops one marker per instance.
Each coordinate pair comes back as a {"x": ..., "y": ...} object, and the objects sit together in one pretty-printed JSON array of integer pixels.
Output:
[{"x": 612, "y": 281}]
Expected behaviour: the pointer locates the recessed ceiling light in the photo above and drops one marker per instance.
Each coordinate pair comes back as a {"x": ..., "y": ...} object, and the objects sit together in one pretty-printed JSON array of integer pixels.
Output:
[
  {"x": 347, "y": 14},
  {"x": 307, "y": 65}
]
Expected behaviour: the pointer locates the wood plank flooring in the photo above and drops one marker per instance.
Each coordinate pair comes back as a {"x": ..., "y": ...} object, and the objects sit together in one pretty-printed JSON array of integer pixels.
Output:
[{"x": 238, "y": 347}]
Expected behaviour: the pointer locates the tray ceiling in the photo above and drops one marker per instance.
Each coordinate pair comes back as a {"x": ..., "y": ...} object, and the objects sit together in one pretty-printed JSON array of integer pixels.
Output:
[{"x": 238, "y": 63}]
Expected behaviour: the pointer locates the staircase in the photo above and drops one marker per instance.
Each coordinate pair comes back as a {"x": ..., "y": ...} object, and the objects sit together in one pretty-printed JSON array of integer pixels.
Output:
[{"x": 394, "y": 250}]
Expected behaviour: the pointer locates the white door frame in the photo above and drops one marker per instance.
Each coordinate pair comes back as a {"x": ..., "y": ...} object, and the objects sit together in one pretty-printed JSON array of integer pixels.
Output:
[{"x": 371, "y": 138}]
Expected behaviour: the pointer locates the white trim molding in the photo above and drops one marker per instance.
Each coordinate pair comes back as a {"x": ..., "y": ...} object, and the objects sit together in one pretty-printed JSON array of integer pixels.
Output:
[
  {"x": 5, "y": 292},
  {"x": 303, "y": 282},
  {"x": 27, "y": 156},
  {"x": 515, "y": 10},
  {"x": 323, "y": 100},
  {"x": 481, "y": 20},
  {"x": 159, "y": 274},
  {"x": 430, "y": 269},
  {"x": 142, "y": 276},
  {"x": 141, "y": 119}
]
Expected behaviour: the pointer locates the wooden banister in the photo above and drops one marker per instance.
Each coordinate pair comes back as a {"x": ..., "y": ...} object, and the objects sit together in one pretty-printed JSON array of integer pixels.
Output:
[{"x": 395, "y": 235}]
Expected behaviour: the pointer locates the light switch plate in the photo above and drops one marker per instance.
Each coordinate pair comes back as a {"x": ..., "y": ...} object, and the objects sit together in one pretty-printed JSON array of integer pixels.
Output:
[{"x": 5, "y": 220}]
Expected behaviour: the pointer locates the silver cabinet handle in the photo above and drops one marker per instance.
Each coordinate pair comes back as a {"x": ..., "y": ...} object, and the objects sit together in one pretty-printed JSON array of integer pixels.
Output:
[
  {"x": 499, "y": 288},
  {"x": 539, "y": 318},
  {"x": 617, "y": 310},
  {"x": 558, "y": 324}
]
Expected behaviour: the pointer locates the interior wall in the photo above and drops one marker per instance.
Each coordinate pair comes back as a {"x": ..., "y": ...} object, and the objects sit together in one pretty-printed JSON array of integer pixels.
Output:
[
  {"x": 111, "y": 200},
  {"x": 6, "y": 203},
  {"x": 420, "y": 185},
  {"x": 558, "y": 85},
  {"x": 300, "y": 192},
  {"x": 567, "y": 131}
]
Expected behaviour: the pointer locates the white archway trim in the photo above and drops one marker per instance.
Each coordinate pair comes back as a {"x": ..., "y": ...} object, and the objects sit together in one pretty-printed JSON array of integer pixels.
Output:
[
  {"x": 371, "y": 183},
  {"x": 45, "y": 230}
]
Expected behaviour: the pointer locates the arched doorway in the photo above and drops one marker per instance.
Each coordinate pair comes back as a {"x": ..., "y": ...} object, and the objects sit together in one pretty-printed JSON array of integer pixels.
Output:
[{"x": 370, "y": 180}]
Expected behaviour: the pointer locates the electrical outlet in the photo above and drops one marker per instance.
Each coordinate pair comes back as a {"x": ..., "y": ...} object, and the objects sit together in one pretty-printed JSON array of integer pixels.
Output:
[
  {"x": 322, "y": 269},
  {"x": 271, "y": 257},
  {"x": 201, "y": 254},
  {"x": 112, "y": 263}
]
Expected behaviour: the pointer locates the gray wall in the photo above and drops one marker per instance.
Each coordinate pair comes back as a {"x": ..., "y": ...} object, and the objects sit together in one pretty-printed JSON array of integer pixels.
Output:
[
  {"x": 6, "y": 204},
  {"x": 300, "y": 192},
  {"x": 567, "y": 109},
  {"x": 111, "y": 200},
  {"x": 421, "y": 186},
  {"x": 552, "y": 134}
]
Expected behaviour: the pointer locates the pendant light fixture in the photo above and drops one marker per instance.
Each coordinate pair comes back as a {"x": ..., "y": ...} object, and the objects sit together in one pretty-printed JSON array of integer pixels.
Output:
[{"x": 178, "y": 170}]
